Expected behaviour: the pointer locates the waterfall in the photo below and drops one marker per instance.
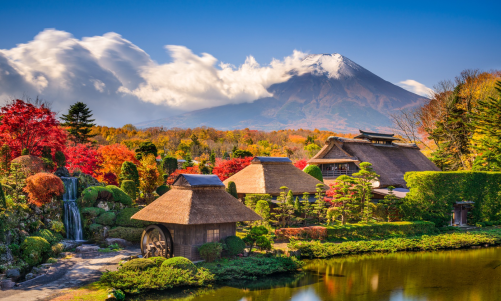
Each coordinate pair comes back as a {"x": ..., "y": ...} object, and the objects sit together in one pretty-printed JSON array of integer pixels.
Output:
[{"x": 72, "y": 220}]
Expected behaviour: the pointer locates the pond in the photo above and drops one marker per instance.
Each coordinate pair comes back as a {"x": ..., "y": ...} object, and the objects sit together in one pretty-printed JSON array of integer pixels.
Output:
[{"x": 473, "y": 274}]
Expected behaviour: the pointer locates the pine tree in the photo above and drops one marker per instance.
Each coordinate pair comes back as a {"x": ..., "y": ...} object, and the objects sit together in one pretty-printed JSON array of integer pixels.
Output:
[
  {"x": 363, "y": 187},
  {"x": 306, "y": 207},
  {"x": 344, "y": 198},
  {"x": 232, "y": 189},
  {"x": 284, "y": 210},
  {"x": 320, "y": 206},
  {"x": 188, "y": 161},
  {"x": 169, "y": 165},
  {"x": 79, "y": 123}
]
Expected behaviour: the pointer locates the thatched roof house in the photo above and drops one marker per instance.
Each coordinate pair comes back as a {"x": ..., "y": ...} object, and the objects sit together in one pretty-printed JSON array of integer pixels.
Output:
[
  {"x": 196, "y": 210},
  {"x": 391, "y": 160},
  {"x": 268, "y": 174}
]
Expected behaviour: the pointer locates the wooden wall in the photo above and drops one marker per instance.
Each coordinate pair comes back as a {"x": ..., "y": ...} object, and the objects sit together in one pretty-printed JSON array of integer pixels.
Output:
[{"x": 187, "y": 238}]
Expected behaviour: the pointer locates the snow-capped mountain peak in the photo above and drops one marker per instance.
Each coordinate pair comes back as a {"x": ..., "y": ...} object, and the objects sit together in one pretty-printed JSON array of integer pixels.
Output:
[{"x": 333, "y": 65}]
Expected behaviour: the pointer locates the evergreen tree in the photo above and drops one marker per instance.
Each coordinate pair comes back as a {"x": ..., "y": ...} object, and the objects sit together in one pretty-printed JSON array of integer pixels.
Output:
[
  {"x": 487, "y": 122},
  {"x": 47, "y": 158},
  {"x": 391, "y": 203},
  {"x": 363, "y": 187},
  {"x": 212, "y": 158},
  {"x": 306, "y": 207},
  {"x": 320, "y": 206},
  {"x": 232, "y": 189},
  {"x": 346, "y": 206},
  {"x": 60, "y": 159},
  {"x": 284, "y": 209},
  {"x": 129, "y": 172},
  {"x": 169, "y": 165},
  {"x": 146, "y": 148},
  {"x": 79, "y": 122},
  {"x": 188, "y": 161},
  {"x": 3, "y": 202},
  {"x": 25, "y": 152},
  {"x": 263, "y": 209}
]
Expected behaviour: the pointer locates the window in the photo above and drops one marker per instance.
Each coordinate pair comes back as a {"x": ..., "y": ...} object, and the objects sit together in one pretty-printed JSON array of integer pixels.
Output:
[{"x": 212, "y": 235}]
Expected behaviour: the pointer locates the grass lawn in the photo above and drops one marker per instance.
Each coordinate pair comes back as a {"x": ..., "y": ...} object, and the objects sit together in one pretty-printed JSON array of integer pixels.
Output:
[{"x": 94, "y": 291}]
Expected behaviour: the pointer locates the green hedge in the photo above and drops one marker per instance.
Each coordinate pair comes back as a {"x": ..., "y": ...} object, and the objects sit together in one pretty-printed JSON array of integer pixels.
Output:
[
  {"x": 119, "y": 195},
  {"x": 379, "y": 230},
  {"x": 106, "y": 218},
  {"x": 316, "y": 249},
  {"x": 127, "y": 233},
  {"x": 90, "y": 196},
  {"x": 123, "y": 218},
  {"x": 432, "y": 195}
]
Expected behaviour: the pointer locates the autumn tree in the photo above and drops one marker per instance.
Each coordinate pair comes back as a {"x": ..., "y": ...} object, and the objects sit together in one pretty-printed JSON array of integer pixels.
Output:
[
  {"x": 226, "y": 168},
  {"x": 31, "y": 127},
  {"x": 111, "y": 157},
  {"x": 43, "y": 187},
  {"x": 83, "y": 157},
  {"x": 79, "y": 123},
  {"x": 145, "y": 149},
  {"x": 149, "y": 175}
]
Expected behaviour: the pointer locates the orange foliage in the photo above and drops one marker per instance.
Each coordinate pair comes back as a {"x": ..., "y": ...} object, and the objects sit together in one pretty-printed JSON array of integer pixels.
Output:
[
  {"x": 297, "y": 139},
  {"x": 42, "y": 187},
  {"x": 30, "y": 165},
  {"x": 111, "y": 158}
]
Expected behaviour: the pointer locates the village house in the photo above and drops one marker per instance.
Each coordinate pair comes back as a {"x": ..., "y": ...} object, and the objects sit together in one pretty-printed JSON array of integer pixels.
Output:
[
  {"x": 195, "y": 211},
  {"x": 389, "y": 159},
  {"x": 265, "y": 175}
]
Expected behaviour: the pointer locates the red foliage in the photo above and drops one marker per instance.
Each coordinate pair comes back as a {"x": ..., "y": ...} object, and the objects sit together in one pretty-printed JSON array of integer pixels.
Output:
[
  {"x": 111, "y": 158},
  {"x": 314, "y": 232},
  {"x": 29, "y": 165},
  {"x": 42, "y": 187},
  {"x": 27, "y": 126},
  {"x": 83, "y": 157},
  {"x": 301, "y": 164},
  {"x": 226, "y": 168},
  {"x": 189, "y": 170},
  {"x": 110, "y": 178}
]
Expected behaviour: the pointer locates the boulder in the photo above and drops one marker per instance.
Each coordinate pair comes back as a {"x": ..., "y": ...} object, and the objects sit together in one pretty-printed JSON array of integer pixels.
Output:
[
  {"x": 69, "y": 244},
  {"x": 103, "y": 205},
  {"x": 14, "y": 274},
  {"x": 119, "y": 241},
  {"x": 7, "y": 284},
  {"x": 62, "y": 172},
  {"x": 87, "y": 249},
  {"x": 29, "y": 276}
]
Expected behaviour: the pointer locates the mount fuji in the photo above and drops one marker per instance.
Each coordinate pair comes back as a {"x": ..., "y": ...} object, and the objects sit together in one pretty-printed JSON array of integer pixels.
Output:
[{"x": 327, "y": 92}]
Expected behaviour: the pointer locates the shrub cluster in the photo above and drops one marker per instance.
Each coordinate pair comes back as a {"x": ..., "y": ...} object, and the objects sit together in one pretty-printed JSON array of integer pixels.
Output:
[
  {"x": 51, "y": 238},
  {"x": 211, "y": 251},
  {"x": 106, "y": 218},
  {"x": 35, "y": 250},
  {"x": 127, "y": 233},
  {"x": 316, "y": 249},
  {"x": 179, "y": 263},
  {"x": 140, "y": 264},
  {"x": 234, "y": 245},
  {"x": 124, "y": 215},
  {"x": 379, "y": 230},
  {"x": 91, "y": 194},
  {"x": 314, "y": 232}
]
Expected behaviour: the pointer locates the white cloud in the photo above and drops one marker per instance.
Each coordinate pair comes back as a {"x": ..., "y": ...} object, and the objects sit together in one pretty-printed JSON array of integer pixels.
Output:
[{"x": 415, "y": 87}]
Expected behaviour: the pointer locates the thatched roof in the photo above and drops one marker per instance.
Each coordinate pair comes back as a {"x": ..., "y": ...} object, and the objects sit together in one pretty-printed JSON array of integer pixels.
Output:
[
  {"x": 268, "y": 174},
  {"x": 196, "y": 199},
  {"x": 391, "y": 161}
]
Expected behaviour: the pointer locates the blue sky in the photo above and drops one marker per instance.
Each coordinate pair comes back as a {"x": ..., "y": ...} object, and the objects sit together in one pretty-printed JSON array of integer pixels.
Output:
[{"x": 426, "y": 41}]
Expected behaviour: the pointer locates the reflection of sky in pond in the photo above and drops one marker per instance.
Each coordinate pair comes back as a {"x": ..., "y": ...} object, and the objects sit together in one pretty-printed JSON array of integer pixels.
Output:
[{"x": 454, "y": 275}]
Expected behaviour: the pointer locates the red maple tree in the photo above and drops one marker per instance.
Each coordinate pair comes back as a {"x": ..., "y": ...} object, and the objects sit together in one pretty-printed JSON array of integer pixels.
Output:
[
  {"x": 194, "y": 170},
  {"x": 26, "y": 126},
  {"x": 226, "y": 168},
  {"x": 301, "y": 164},
  {"x": 83, "y": 157}
]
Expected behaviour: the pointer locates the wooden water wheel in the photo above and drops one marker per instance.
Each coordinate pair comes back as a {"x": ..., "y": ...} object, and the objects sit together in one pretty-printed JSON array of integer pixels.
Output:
[{"x": 157, "y": 241}]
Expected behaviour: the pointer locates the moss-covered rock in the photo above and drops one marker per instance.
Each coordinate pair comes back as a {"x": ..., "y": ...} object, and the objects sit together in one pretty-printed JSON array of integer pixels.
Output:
[
  {"x": 85, "y": 181},
  {"x": 123, "y": 218},
  {"x": 92, "y": 212},
  {"x": 127, "y": 233},
  {"x": 89, "y": 196},
  {"x": 119, "y": 195},
  {"x": 106, "y": 218},
  {"x": 140, "y": 264},
  {"x": 95, "y": 232},
  {"x": 35, "y": 249},
  {"x": 179, "y": 263}
]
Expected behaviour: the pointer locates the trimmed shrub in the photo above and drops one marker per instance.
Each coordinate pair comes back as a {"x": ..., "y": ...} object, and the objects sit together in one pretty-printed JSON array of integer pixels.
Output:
[
  {"x": 140, "y": 264},
  {"x": 43, "y": 187},
  {"x": 210, "y": 251},
  {"x": 106, "y": 218},
  {"x": 162, "y": 189},
  {"x": 89, "y": 196},
  {"x": 92, "y": 212},
  {"x": 29, "y": 165},
  {"x": 234, "y": 245},
  {"x": 314, "y": 171},
  {"x": 129, "y": 187},
  {"x": 379, "y": 230},
  {"x": 232, "y": 189},
  {"x": 127, "y": 233},
  {"x": 432, "y": 195},
  {"x": 119, "y": 195},
  {"x": 35, "y": 249},
  {"x": 158, "y": 260},
  {"x": 50, "y": 237},
  {"x": 129, "y": 172},
  {"x": 123, "y": 218},
  {"x": 179, "y": 263}
]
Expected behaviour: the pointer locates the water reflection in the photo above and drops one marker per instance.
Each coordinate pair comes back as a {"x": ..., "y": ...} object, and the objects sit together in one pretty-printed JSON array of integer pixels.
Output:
[{"x": 435, "y": 276}]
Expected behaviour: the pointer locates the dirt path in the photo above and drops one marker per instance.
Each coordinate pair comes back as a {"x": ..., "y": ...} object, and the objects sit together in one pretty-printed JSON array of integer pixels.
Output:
[{"x": 68, "y": 273}]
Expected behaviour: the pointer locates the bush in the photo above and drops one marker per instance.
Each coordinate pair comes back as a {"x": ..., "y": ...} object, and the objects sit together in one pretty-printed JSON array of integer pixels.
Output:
[
  {"x": 316, "y": 249},
  {"x": 92, "y": 212},
  {"x": 29, "y": 165},
  {"x": 314, "y": 171},
  {"x": 140, "y": 264},
  {"x": 179, "y": 263},
  {"x": 210, "y": 251},
  {"x": 106, "y": 219},
  {"x": 119, "y": 195},
  {"x": 60, "y": 159},
  {"x": 35, "y": 249},
  {"x": 43, "y": 187},
  {"x": 379, "y": 230},
  {"x": 90, "y": 195},
  {"x": 162, "y": 189},
  {"x": 95, "y": 228},
  {"x": 234, "y": 245},
  {"x": 50, "y": 237},
  {"x": 57, "y": 226},
  {"x": 251, "y": 268},
  {"x": 129, "y": 172},
  {"x": 57, "y": 249},
  {"x": 15, "y": 249},
  {"x": 85, "y": 181},
  {"x": 135, "y": 282},
  {"x": 130, "y": 188},
  {"x": 232, "y": 189},
  {"x": 158, "y": 260},
  {"x": 127, "y": 233},
  {"x": 315, "y": 232},
  {"x": 432, "y": 195},
  {"x": 123, "y": 218}
]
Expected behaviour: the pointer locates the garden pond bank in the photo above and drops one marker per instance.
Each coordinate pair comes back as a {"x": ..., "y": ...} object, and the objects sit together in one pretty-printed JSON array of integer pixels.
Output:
[{"x": 466, "y": 274}]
